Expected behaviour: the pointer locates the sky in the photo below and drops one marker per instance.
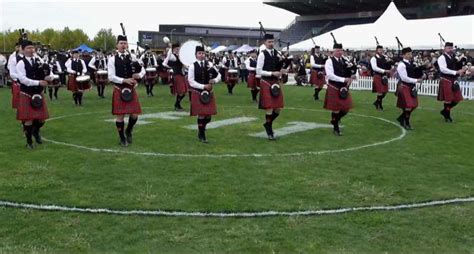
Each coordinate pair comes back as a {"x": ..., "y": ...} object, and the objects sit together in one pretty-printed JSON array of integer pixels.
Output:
[{"x": 145, "y": 15}]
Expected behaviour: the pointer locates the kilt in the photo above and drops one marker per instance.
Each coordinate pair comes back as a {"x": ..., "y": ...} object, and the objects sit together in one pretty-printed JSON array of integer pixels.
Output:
[
  {"x": 252, "y": 81},
  {"x": 120, "y": 107},
  {"x": 230, "y": 81},
  {"x": 405, "y": 100},
  {"x": 333, "y": 102},
  {"x": 180, "y": 84},
  {"x": 314, "y": 80},
  {"x": 25, "y": 112},
  {"x": 267, "y": 101},
  {"x": 71, "y": 83},
  {"x": 15, "y": 93},
  {"x": 163, "y": 74},
  {"x": 200, "y": 109},
  {"x": 378, "y": 86},
  {"x": 445, "y": 92}
]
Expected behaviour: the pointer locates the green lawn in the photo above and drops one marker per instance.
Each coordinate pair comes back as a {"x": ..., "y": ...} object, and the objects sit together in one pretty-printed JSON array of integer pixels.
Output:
[{"x": 430, "y": 163}]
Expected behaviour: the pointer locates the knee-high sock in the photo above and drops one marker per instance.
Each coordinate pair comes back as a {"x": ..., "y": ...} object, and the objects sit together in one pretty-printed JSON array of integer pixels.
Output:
[
  {"x": 274, "y": 115},
  {"x": 254, "y": 94},
  {"x": 335, "y": 120},
  {"x": 131, "y": 123},
  {"x": 120, "y": 129},
  {"x": 28, "y": 133}
]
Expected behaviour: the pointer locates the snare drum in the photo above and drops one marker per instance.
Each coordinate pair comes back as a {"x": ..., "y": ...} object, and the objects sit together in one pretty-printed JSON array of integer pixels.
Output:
[
  {"x": 232, "y": 75},
  {"x": 101, "y": 77},
  {"x": 55, "y": 81},
  {"x": 151, "y": 73},
  {"x": 83, "y": 82}
]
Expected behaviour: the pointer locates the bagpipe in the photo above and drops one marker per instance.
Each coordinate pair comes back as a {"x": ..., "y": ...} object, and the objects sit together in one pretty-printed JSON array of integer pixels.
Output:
[{"x": 350, "y": 64}]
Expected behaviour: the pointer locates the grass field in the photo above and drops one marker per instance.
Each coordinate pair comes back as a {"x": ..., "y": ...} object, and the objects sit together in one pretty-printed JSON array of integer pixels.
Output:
[{"x": 433, "y": 162}]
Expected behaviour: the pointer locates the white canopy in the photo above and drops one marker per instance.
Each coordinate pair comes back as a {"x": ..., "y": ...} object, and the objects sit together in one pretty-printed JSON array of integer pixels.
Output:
[
  {"x": 219, "y": 49},
  {"x": 417, "y": 34}
]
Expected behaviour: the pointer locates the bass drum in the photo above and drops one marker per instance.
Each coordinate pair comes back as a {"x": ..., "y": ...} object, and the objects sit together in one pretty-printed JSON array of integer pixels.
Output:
[{"x": 187, "y": 52}]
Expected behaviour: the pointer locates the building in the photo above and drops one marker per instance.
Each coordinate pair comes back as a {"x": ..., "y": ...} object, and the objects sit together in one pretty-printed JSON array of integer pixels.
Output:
[
  {"x": 320, "y": 16},
  {"x": 212, "y": 35}
]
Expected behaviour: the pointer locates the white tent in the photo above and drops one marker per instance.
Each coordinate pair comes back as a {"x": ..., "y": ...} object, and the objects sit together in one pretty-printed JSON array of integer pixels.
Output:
[
  {"x": 219, "y": 49},
  {"x": 418, "y": 33}
]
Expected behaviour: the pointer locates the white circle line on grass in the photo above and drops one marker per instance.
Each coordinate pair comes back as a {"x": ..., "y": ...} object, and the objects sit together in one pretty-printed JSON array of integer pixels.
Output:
[
  {"x": 155, "y": 154},
  {"x": 164, "y": 213}
]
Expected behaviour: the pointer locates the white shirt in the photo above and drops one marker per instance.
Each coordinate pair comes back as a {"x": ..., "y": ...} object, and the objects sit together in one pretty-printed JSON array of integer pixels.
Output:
[
  {"x": 312, "y": 61},
  {"x": 170, "y": 57},
  {"x": 69, "y": 66},
  {"x": 443, "y": 67},
  {"x": 247, "y": 64},
  {"x": 193, "y": 83},
  {"x": 92, "y": 63},
  {"x": 12, "y": 66},
  {"x": 402, "y": 73},
  {"x": 373, "y": 63},
  {"x": 261, "y": 62},
  {"x": 21, "y": 74},
  {"x": 154, "y": 59},
  {"x": 111, "y": 70},
  {"x": 330, "y": 71}
]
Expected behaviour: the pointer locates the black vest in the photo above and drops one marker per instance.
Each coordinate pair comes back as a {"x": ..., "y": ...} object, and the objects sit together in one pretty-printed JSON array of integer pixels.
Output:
[
  {"x": 340, "y": 69},
  {"x": 319, "y": 60},
  {"x": 18, "y": 57},
  {"x": 176, "y": 66},
  {"x": 411, "y": 71},
  {"x": 102, "y": 63},
  {"x": 450, "y": 64},
  {"x": 54, "y": 67},
  {"x": 34, "y": 72},
  {"x": 148, "y": 64},
  {"x": 230, "y": 63},
  {"x": 76, "y": 66},
  {"x": 253, "y": 63},
  {"x": 271, "y": 63},
  {"x": 201, "y": 75},
  {"x": 382, "y": 64},
  {"x": 123, "y": 68}
]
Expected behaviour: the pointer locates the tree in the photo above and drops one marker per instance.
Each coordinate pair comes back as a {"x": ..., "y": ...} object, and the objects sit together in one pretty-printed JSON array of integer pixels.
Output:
[{"x": 104, "y": 39}]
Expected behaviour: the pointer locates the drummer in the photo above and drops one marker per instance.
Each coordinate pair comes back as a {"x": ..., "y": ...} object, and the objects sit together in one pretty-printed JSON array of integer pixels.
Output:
[
  {"x": 231, "y": 77},
  {"x": 56, "y": 70},
  {"x": 76, "y": 67},
  {"x": 98, "y": 63},
  {"x": 148, "y": 60}
]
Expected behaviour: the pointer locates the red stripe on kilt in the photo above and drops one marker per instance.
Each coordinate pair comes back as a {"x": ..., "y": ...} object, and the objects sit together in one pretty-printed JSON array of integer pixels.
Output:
[
  {"x": 15, "y": 94},
  {"x": 25, "y": 112},
  {"x": 180, "y": 84},
  {"x": 267, "y": 101},
  {"x": 333, "y": 102},
  {"x": 405, "y": 100},
  {"x": 446, "y": 93},
  {"x": 314, "y": 80},
  {"x": 200, "y": 109},
  {"x": 120, "y": 107},
  {"x": 378, "y": 86}
]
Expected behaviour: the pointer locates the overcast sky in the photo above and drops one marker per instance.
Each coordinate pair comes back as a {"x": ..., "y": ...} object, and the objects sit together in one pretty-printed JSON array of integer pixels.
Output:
[{"x": 144, "y": 15}]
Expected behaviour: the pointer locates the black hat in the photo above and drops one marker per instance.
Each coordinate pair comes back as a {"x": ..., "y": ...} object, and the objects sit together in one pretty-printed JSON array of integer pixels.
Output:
[
  {"x": 379, "y": 47},
  {"x": 252, "y": 51},
  {"x": 17, "y": 44},
  {"x": 146, "y": 47},
  {"x": 175, "y": 45},
  {"x": 337, "y": 46},
  {"x": 449, "y": 44},
  {"x": 98, "y": 50},
  {"x": 199, "y": 48},
  {"x": 406, "y": 50},
  {"x": 317, "y": 47},
  {"x": 26, "y": 43},
  {"x": 121, "y": 38},
  {"x": 74, "y": 51},
  {"x": 230, "y": 51},
  {"x": 268, "y": 37}
]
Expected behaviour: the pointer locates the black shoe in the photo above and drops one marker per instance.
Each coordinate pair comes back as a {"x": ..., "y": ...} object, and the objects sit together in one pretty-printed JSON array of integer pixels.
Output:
[
  {"x": 445, "y": 115},
  {"x": 380, "y": 106},
  {"x": 376, "y": 104},
  {"x": 408, "y": 127},
  {"x": 202, "y": 137},
  {"x": 128, "y": 135},
  {"x": 30, "y": 146},
  {"x": 123, "y": 143},
  {"x": 268, "y": 129},
  {"x": 337, "y": 133},
  {"x": 316, "y": 97},
  {"x": 38, "y": 138}
]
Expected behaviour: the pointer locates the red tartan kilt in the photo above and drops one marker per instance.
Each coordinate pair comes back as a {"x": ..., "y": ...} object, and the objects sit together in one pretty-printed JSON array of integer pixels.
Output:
[
  {"x": 200, "y": 109},
  {"x": 267, "y": 101},
  {"x": 120, "y": 107},
  {"x": 445, "y": 92},
  {"x": 378, "y": 86},
  {"x": 405, "y": 100},
  {"x": 231, "y": 80},
  {"x": 252, "y": 81},
  {"x": 15, "y": 94},
  {"x": 71, "y": 83},
  {"x": 100, "y": 80},
  {"x": 333, "y": 102},
  {"x": 180, "y": 84},
  {"x": 314, "y": 80},
  {"x": 25, "y": 112}
]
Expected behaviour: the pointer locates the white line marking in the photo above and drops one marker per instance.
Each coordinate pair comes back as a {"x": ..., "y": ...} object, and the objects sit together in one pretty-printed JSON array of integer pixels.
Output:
[
  {"x": 225, "y": 122},
  {"x": 294, "y": 127},
  {"x": 170, "y": 115},
  {"x": 164, "y": 213},
  {"x": 155, "y": 154}
]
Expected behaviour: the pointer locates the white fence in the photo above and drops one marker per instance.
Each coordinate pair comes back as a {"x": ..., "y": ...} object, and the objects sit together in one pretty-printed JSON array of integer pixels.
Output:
[{"x": 428, "y": 87}]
